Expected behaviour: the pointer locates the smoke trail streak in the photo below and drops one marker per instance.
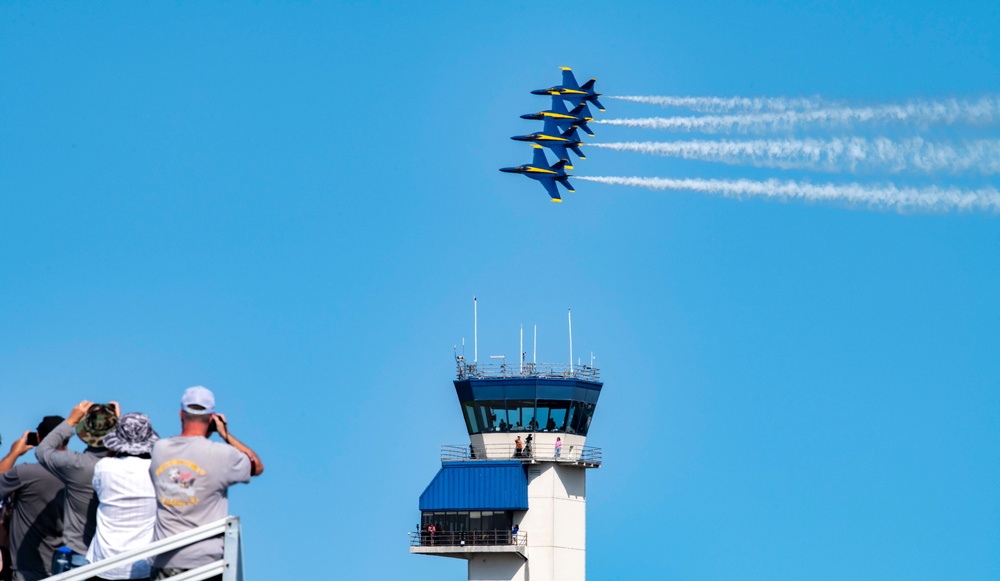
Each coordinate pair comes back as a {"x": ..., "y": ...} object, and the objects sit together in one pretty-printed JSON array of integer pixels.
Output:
[
  {"x": 983, "y": 111},
  {"x": 838, "y": 154},
  {"x": 879, "y": 196},
  {"x": 716, "y": 104}
]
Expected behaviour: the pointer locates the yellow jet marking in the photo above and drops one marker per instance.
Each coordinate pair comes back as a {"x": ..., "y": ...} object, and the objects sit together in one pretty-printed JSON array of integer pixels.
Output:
[{"x": 557, "y": 200}]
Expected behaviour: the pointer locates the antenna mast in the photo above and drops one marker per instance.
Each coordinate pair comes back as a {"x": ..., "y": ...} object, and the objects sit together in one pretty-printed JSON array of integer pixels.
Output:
[
  {"x": 520, "y": 367},
  {"x": 569, "y": 318},
  {"x": 475, "y": 332},
  {"x": 534, "y": 347}
]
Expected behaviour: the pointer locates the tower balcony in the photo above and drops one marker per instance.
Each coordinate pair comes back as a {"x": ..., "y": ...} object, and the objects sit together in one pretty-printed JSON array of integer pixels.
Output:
[
  {"x": 583, "y": 456},
  {"x": 463, "y": 544},
  {"x": 504, "y": 370}
]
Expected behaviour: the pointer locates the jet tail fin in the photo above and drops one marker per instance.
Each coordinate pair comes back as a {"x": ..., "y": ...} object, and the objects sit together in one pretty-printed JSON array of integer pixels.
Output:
[
  {"x": 589, "y": 85},
  {"x": 577, "y": 151},
  {"x": 586, "y": 128},
  {"x": 565, "y": 182},
  {"x": 559, "y": 164},
  {"x": 597, "y": 103}
]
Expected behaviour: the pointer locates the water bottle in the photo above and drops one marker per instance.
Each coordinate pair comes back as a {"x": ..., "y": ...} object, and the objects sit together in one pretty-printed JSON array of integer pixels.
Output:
[{"x": 61, "y": 560}]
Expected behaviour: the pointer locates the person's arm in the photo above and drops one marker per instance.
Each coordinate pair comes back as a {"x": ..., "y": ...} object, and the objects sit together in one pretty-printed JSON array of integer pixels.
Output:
[
  {"x": 48, "y": 451},
  {"x": 256, "y": 466},
  {"x": 19, "y": 448}
]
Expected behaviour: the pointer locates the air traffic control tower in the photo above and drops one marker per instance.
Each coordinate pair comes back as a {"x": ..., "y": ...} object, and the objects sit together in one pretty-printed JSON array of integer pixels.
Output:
[{"x": 491, "y": 485}]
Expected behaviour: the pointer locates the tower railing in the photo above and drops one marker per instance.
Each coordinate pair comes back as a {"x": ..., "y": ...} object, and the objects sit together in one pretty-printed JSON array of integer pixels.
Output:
[
  {"x": 230, "y": 566},
  {"x": 587, "y": 455},
  {"x": 492, "y": 538},
  {"x": 505, "y": 370}
]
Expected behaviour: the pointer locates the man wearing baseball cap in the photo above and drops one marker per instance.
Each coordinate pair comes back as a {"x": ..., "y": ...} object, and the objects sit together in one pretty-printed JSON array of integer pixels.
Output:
[
  {"x": 192, "y": 475},
  {"x": 90, "y": 422}
]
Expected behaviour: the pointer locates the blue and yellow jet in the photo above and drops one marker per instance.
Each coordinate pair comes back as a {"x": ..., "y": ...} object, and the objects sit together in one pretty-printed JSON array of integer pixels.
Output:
[
  {"x": 564, "y": 119},
  {"x": 539, "y": 169},
  {"x": 573, "y": 92},
  {"x": 558, "y": 142}
]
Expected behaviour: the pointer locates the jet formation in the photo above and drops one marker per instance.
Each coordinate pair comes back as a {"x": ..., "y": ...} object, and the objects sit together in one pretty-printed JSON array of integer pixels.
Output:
[{"x": 559, "y": 132}]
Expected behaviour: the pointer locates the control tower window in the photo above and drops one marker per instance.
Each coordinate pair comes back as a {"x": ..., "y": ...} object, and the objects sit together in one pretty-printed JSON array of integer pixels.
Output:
[
  {"x": 551, "y": 415},
  {"x": 491, "y": 414},
  {"x": 581, "y": 420},
  {"x": 520, "y": 414},
  {"x": 471, "y": 421}
]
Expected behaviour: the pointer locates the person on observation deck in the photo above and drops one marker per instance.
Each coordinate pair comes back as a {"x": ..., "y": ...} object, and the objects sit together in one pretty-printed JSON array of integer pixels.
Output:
[
  {"x": 192, "y": 475},
  {"x": 127, "y": 507},
  {"x": 36, "y": 521},
  {"x": 90, "y": 422}
]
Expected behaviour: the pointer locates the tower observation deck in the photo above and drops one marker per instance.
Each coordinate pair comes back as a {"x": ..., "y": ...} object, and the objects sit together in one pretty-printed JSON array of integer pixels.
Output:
[{"x": 523, "y": 470}]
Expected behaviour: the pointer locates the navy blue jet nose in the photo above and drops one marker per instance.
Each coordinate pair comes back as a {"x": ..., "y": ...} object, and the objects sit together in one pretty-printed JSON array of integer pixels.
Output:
[
  {"x": 533, "y": 116},
  {"x": 509, "y": 169},
  {"x": 540, "y": 92},
  {"x": 521, "y": 138}
]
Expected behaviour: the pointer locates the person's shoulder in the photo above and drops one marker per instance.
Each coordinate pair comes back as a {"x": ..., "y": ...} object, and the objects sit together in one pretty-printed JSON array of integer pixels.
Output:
[{"x": 32, "y": 471}]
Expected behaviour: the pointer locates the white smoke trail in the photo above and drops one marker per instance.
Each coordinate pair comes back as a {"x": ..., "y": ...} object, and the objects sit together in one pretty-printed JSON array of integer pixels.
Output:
[
  {"x": 878, "y": 196},
  {"x": 838, "y": 154},
  {"x": 716, "y": 104},
  {"x": 983, "y": 111}
]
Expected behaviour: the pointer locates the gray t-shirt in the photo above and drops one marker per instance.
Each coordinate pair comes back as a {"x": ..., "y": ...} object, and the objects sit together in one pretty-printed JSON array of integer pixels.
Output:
[
  {"x": 76, "y": 470},
  {"x": 192, "y": 476},
  {"x": 36, "y": 529}
]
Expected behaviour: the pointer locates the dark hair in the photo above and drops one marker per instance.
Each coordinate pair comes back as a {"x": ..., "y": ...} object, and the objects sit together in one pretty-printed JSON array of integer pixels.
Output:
[{"x": 48, "y": 424}]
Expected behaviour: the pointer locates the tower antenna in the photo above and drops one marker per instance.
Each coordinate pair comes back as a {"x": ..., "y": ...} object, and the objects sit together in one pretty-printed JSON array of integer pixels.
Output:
[
  {"x": 569, "y": 318},
  {"x": 534, "y": 347},
  {"x": 475, "y": 332},
  {"x": 520, "y": 366}
]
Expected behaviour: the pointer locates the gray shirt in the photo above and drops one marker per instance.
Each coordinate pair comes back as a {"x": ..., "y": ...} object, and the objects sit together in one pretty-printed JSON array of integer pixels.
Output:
[
  {"x": 76, "y": 470},
  {"x": 36, "y": 528},
  {"x": 192, "y": 476}
]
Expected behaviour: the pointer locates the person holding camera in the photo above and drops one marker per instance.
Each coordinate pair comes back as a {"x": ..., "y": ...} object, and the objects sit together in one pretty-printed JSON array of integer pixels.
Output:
[
  {"x": 36, "y": 523},
  {"x": 192, "y": 476},
  {"x": 90, "y": 422}
]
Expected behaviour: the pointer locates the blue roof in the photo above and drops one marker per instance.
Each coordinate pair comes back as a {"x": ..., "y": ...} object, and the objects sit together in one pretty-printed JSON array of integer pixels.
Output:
[{"x": 482, "y": 485}]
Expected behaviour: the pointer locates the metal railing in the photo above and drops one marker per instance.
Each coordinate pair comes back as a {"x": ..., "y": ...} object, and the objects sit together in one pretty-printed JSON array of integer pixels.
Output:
[
  {"x": 230, "y": 566},
  {"x": 468, "y": 370},
  {"x": 588, "y": 455},
  {"x": 467, "y": 538}
]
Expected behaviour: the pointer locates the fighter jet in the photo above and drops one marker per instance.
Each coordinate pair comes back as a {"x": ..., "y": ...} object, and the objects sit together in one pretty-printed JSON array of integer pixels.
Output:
[
  {"x": 539, "y": 169},
  {"x": 571, "y": 91},
  {"x": 558, "y": 142},
  {"x": 564, "y": 119}
]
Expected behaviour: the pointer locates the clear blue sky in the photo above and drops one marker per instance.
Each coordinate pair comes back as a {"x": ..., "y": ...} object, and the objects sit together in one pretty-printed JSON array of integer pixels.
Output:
[{"x": 294, "y": 204}]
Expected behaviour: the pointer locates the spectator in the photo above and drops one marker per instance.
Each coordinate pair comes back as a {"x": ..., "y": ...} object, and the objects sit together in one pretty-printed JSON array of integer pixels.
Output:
[
  {"x": 36, "y": 524},
  {"x": 518, "y": 447},
  {"x": 127, "y": 507},
  {"x": 192, "y": 475},
  {"x": 558, "y": 447},
  {"x": 76, "y": 469}
]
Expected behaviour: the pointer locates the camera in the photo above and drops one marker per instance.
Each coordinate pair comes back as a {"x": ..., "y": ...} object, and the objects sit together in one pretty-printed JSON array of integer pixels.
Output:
[{"x": 32, "y": 439}]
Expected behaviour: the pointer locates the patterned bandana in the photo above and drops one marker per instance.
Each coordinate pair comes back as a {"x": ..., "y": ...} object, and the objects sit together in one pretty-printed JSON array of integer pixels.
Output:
[
  {"x": 100, "y": 420},
  {"x": 133, "y": 435}
]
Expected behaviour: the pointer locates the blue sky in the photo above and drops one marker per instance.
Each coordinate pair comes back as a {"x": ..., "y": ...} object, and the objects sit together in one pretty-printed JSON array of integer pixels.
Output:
[{"x": 294, "y": 204}]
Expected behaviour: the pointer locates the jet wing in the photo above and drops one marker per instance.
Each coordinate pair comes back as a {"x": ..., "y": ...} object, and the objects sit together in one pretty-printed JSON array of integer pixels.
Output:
[
  {"x": 569, "y": 81},
  {"x": 550, "y": 187},
  {"x": 549, "y": 126},
  {"x": 540, "y": 160},
  {"x": 558, "y": 106}
]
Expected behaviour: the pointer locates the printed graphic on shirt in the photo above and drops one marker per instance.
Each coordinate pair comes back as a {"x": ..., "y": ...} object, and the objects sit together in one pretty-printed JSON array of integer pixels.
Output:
[{"x": 177, "y": 483}]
